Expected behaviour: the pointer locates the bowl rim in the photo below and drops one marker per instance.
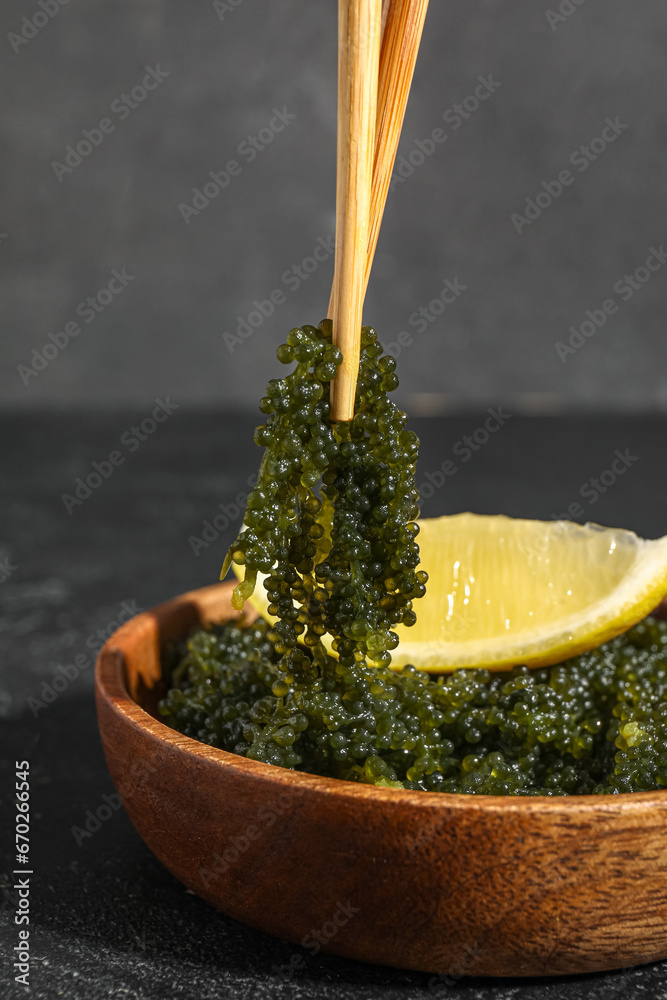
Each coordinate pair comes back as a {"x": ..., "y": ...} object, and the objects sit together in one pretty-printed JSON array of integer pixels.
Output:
[{"x": 111, "y": 684}]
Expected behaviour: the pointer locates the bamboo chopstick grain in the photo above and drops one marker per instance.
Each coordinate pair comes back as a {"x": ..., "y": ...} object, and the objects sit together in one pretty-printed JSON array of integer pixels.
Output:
[
  {"x": 402, "y": 24},
  {"x": 359, "y": 33},
  {"x": 403, "y": 27}
]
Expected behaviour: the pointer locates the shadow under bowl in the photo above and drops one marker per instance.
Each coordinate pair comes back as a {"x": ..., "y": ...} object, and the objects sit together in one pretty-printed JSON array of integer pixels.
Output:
[{"x": 457, "y": 884}]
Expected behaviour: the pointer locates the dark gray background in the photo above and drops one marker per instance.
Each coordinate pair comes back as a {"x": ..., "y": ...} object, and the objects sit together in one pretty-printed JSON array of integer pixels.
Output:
[{"x": 119, "y": 207}]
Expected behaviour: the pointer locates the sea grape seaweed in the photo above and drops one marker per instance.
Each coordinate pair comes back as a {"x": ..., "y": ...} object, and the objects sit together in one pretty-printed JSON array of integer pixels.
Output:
[
  {"x": 331, "y": 525},
  {"x": 332, "y": 518},
  {"x": 593, "y": 724}
]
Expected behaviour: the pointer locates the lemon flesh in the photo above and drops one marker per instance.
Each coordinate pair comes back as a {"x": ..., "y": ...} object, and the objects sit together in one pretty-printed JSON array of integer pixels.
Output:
[{"x": 503, "y": 591}]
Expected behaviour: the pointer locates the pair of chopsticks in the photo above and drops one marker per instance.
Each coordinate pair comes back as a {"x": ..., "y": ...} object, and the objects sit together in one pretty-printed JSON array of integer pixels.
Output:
[{"x": 377, "y": 52}]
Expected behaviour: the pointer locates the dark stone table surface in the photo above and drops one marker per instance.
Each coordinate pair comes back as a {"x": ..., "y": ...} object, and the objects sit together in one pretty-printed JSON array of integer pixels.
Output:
[{"x": 106, "y": 919}]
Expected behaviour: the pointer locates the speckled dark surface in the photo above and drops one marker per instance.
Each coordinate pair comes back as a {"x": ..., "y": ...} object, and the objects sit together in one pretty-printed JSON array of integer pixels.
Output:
[{"x": 107, "y": 920}]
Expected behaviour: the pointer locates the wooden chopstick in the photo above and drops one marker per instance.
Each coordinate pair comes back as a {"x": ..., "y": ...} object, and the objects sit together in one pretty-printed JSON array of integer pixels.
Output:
[
  {"x": 359, "y": 33},
  {"x": 386, "y": 4},
  {"x": 402, "y": 24}
]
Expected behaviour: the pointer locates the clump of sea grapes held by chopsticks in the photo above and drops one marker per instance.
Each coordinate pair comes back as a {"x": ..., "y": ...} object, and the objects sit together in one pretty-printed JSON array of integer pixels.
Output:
[{"x": 332, "y": 517}]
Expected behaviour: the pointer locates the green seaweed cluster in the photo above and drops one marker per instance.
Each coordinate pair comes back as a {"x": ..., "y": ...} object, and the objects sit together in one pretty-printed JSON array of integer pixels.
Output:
[
  {"x": 593, "y": 724},
  {"x": 332, "y": 518},
  {"x": 330, "y": 527}
]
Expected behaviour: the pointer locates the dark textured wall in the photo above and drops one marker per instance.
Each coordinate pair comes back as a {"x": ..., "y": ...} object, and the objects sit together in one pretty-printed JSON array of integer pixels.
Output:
[{"x": 555, "y": 80}]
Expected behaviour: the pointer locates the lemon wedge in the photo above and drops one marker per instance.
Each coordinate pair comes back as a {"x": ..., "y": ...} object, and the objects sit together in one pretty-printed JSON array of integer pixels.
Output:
[{"x": 504, "y": 591}]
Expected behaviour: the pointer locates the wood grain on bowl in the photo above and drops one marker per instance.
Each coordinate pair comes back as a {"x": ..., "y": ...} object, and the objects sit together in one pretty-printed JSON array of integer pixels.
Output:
[{"x": 454, "y": 884}]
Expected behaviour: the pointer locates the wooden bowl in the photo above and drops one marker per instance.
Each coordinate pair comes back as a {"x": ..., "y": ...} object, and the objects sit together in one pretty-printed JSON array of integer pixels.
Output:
[{"x": 452, "y": 884}]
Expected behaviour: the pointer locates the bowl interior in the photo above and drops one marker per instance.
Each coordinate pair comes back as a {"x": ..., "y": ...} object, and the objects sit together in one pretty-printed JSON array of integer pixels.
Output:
[{"x": 155, "y": 645}]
